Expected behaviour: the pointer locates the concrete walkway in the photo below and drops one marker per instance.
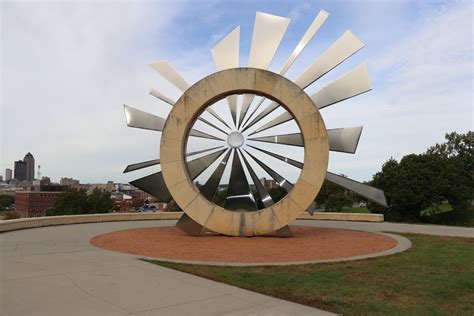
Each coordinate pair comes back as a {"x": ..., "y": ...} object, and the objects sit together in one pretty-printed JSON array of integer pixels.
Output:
[
  {"x": 55, "y": 271},
  {"x": 437, "y": 230}
]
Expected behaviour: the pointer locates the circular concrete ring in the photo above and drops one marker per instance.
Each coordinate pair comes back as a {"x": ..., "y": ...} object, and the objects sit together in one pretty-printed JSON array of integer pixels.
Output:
[{"x": 206, "y": 92}]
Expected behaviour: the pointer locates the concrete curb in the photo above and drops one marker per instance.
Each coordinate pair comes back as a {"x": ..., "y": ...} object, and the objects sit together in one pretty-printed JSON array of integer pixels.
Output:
[{"x": 25, "y": 223}]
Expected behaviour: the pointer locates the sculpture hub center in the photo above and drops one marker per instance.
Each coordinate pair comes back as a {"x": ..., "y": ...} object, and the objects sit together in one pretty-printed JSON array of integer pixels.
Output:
[{"x": 235, "y": 139}]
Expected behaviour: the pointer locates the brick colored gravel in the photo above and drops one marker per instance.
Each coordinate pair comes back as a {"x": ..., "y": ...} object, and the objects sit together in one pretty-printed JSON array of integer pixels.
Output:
[{"x": 308, "y": 244}]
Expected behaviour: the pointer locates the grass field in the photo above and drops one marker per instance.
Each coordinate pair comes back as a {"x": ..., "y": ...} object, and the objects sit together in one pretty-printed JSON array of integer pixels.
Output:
[{"x": 434, "y": 277}]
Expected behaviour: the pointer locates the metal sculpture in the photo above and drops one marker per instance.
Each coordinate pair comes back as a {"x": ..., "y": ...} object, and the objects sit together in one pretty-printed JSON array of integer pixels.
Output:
[{"x": 246, "y": 212}]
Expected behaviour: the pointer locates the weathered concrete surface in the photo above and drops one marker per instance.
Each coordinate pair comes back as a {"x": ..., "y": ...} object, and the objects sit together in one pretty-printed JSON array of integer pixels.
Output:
[
  {"x": 25, "y": 223},
  {"x": 55, "y": 271}
]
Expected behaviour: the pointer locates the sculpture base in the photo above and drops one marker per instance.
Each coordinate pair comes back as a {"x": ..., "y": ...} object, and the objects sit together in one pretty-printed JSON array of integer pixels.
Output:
[{"x": 193, "y": 228}]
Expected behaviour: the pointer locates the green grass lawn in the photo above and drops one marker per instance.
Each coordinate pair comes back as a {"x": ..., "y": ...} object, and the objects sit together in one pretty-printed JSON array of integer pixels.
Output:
[{"x": 434, "y": 277}]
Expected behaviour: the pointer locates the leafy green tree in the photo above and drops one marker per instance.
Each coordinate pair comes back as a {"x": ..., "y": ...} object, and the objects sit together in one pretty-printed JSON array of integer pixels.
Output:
[
  {"x": 76, "y": 201},
  {"x": 418, "y": 182},
  {"x": 99, "y": 202},
  {"x": 336, "y": 201},
  {"x": 6, "y": 201}
]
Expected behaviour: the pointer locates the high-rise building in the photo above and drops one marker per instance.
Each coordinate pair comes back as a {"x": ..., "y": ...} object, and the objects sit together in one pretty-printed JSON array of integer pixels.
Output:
[
  {"x": 20, "y": 170},
  {"x": 30, "y": 167},
  {"x": 25, "y": 169},
  {"x": 70, "y": 182},
  {"x": 8, "y": 174}
]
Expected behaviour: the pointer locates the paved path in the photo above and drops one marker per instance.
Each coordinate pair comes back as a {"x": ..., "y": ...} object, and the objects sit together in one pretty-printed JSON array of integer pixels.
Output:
[
  {"x": 394, "y": 227},
  {"x": 55, "y": 271}
]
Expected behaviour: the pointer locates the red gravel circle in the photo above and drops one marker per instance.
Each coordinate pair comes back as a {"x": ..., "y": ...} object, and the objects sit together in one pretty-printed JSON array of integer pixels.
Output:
[{"x": 308, "y": 244}]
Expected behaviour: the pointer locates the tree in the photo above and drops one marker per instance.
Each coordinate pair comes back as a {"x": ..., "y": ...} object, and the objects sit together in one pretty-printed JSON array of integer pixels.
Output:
[
  {"x": 418, "y": 182},
  {"x": 336, "y": 201},
  {"x": 99, "y": 202},
  {"x": 76, "y": 201},
  {"x": 6, "y": 201},
  {"x": 277, "y": 193}
]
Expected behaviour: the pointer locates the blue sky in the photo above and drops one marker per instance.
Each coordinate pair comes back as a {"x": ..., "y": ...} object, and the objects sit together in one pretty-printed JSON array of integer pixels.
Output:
[{"x": 68, "y": 67}]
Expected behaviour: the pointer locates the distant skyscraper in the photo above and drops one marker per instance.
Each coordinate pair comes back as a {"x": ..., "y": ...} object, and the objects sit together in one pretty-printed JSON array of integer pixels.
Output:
[
  {"x": 8, "y": 174},
  {"x": 30, "y": 167},
  {"x": 20, "y": 170}
]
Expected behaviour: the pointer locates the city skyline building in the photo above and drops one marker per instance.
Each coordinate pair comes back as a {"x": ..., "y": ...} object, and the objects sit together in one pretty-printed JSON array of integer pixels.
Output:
[
  {"x": 8, "y": 174},
  {"x": 20, "y": 170},
  {"x": 30, "y": 167}
]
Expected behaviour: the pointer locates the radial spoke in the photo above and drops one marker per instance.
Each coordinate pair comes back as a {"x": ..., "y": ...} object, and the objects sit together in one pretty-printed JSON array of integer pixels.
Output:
[
  {"x": 264, "y": 196},
  {"x": 268, "y": 32},
  {"x": 269, "y": 109},
  {"x": 310, "y": 32},
  {"x": 351, "y": 84},
  {"x": 344, "y": 139},
  {"x": 290, "y": 161},
  {"x": 155, "y": 185},
  {"x": 212, "y": 125},
  {"x": 295, "y": 139},
  {"x": 209, "y": 189},
  {"x": 167, "y": 71},
  {"x": 283, "y": 118},
  {"x": 149, "y": 163},
  {"x": 198, "y": 165},
  {"x": 164, "y": 98},
  {"x": 277, "y": 177},
  {"x": 226, "y": 55},
  {"x": 239, "y": 195}
]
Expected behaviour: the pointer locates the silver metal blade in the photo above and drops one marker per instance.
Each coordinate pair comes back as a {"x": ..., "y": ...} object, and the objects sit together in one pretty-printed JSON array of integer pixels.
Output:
[
  {"x": 164, "y": 98},
  {"x": 277, "y": 177},
  {"x": 154, "y": 184},
  {"x": 197, "y": 133},
  {"x": 144, "y": 120},
  {"x": 226, "y": 55},
  {"x": 212, "y": 125},
  {"x": 343, "y": 48},
  {"x": 141, "y": 165},
  {"x": 312, "y": 29},
  {"x": 351, "y": 84},
  {"x": 167, "y": 71},
  {"x": 209, "y": 189},
  {"x": 161, "y": 96},
  {"x": 344, "y": 139},
  {"x": 264, "y": 196},
  {"x": 149, "y": 163},
  {"x": 198, "y": 165},
  {"x": 268, "y": 32},
  {"x": 217, "y": 116},
  {"x": 239, "y": 195},
  {"x": 295, "y": 139},
  {"x": 269, "y": 109},
  {"x": 310, "y": 32},
  {"x": 282, "y": 118},
  {"x": 364, "y": 190},
  {"x": 341, "y": 139},
  {"x": 247, "y": 100},
  {"x": 290, "y": 161},
  {"x": 371, "y": 193}
]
